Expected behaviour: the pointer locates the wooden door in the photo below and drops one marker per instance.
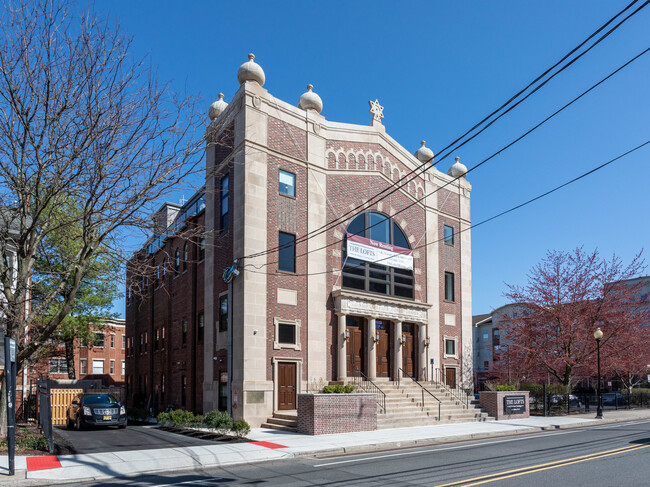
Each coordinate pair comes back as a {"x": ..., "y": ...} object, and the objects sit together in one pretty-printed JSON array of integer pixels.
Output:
[
  {"x": 383, "y": 347},
  {"x": 354, "y": 347},
  {"x": 408, "y": 350},
  {"x": 450, "y": 377},
  {"x": 286, "y": 385}
]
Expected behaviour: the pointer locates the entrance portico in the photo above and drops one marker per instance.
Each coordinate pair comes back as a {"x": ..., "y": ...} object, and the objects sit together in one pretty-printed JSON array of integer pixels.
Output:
[{"x": 380, "y": 335}]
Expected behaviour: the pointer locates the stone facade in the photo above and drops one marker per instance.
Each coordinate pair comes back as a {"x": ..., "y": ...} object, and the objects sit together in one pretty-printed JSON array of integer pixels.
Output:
[
  {"x": 337, "y": 168},
  {"x": 326, "y": 414}
]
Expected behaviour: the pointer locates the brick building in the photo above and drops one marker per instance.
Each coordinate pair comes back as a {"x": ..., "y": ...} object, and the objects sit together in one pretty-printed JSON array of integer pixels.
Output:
[{"x": 383, "y": 290}]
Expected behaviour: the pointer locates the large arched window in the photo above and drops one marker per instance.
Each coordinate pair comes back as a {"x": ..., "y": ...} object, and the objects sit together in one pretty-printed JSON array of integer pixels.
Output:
[{"x": 374, "y": 277}]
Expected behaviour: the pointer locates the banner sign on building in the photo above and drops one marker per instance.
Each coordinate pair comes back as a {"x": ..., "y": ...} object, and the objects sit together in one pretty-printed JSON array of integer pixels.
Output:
[{"x": 379, "y": 252}]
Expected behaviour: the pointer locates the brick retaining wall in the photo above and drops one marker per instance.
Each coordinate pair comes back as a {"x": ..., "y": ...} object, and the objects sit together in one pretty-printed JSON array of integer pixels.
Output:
[
  {"x": 322, "y": 414},
  {"x": 492, "y": 402}
]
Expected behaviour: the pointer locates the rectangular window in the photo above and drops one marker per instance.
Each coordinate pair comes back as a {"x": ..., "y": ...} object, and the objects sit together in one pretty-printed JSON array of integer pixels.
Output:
[
  {"x": 99, "y": 339},
  {"x": 162, "y": 338},
  {"x": 83, "y": 366},
  {"x": 485, "y": 335},
  {"x": 486, "y": 365},
  {"x": 123, "y": 341},
  {"x": 287, "y": 252},
  {"x": 112, "y": 369},
  {"x": 449, "y": 286},
  {"x": 58, "y": 366},
  {"x": 123, "y": 367},
  {"x": 223, "y": 313},
  {"x": 98, "y": 366},
  {"x": 156, "y": 340},
  {"x": 450, "y": 347},
  {"x": 225, "y": 196},
  {"x": 112, "y": 340},
  {"x": 201, "y": 328},
  {"x": 287, "y": 333},
  {"x": 449, "y": 235},
  {"x": 287, "y": 183},
  {"x": 184, "y": 332}
]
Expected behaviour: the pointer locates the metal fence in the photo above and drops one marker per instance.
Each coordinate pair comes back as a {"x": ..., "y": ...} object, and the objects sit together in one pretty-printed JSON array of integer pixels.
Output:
[{"x": 546, "y": 404}]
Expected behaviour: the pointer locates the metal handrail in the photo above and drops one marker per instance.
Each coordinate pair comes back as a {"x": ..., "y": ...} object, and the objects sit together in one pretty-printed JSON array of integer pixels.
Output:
[
  {"x": 422, "y": 389},
  {"x": 456, "y": 394},
  {"x": 363, "y": 382}
]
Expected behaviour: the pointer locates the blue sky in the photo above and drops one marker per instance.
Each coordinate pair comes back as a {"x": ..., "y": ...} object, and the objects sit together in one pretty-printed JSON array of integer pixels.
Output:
[{"x": 438, "y": 68}]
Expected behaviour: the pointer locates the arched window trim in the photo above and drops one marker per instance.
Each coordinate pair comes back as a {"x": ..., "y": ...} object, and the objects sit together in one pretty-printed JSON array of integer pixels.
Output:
[
  {"x": 177, "y": 262},
  {"x": 186, "y": 255},
  {"x": 375, "y": 278}
]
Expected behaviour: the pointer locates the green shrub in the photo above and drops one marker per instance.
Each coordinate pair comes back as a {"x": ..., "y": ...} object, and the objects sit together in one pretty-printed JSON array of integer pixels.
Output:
[
  {"x": 181, "y": 418},
  {"x": 164, "y": 418},
  {"x": 641, "y": 390},
  {"x": 506, "y": 387},
  {"x": 28, "y": 440},
  {"x": 218, "y": 421},
  {"x": 338, "y": 389},
  {"x": 240, "y": 428},
  {"x": 197, "y": 421}
]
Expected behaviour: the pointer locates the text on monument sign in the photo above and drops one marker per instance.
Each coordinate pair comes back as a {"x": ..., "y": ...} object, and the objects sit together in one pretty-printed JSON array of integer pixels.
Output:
[
  {"x": 379, "y": 252},
  {"x": 514, "y": 404}
]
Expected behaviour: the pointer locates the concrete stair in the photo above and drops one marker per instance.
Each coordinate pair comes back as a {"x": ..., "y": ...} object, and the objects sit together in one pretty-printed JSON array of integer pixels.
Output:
[
  {"x": 404, "y": 406},
  {"x": 282, "y": 421}
]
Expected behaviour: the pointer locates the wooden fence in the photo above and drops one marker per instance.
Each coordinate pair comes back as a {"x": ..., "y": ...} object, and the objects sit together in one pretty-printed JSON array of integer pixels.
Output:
[{"x": 62, "y": 398}]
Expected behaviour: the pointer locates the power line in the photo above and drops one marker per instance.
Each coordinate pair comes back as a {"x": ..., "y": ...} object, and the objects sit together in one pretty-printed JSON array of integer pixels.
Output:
[
  {"x": 494, "y": 217},
  {"x": 498, "y": 152},
  {"x": 412, "y": 174}
]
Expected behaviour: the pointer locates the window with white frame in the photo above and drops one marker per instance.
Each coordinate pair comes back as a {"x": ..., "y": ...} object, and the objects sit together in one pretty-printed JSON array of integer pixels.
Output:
[
  {"x": 98, "y": 366},
  {"x": 58, "y": 366},
  {"x": 123, "y": 367},
  {"x": 83, "y": 366},
  {"x": 287, "y": 334},
  {"x": 112, "y": 365},
  {"x": 450, "y": 347}
]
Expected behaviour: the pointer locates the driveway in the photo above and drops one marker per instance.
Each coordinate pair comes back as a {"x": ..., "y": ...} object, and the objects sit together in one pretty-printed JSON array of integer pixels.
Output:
[{"x": 134, "y": 437}]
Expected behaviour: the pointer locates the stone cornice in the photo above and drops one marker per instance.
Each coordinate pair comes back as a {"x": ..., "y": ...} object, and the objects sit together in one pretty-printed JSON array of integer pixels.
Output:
[{"x": 382, "y": 307}]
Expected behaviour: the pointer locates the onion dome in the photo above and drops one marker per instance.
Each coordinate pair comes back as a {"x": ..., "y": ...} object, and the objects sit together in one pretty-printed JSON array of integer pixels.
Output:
[
  {"x": 457, "y": 170},
  {"x": 217, "y": 108},
  {"x": 310, "y": 100},
  {"x": 251, "y": 71},
  {"x": 424, "y": 154}
]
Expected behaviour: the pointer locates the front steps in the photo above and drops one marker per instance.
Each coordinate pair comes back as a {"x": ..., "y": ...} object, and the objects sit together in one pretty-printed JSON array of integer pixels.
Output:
[
  {"x": 404, "y": 406},
  {"x": 283, "y": 421}
]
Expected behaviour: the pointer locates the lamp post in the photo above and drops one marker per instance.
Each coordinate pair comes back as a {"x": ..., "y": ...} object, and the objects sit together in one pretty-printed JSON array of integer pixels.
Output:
[{"x": 598, "y": 334}]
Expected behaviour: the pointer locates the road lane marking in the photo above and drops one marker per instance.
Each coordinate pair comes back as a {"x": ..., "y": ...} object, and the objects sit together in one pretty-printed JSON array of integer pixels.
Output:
[
  {"x": 188, "y": 482},
  {"x": 432, "y": 450},
  {"x": 475, "y": 444},
  {"x": 541, "y": 467}
]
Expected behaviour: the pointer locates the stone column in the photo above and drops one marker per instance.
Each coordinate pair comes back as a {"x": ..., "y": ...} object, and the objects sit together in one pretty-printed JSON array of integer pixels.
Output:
[
  {"x": 343, "y": 349},
  {"x": 422, "y": 359},
  {"x": 372, "y": 350},
  {"x": 398, "y": 350}
]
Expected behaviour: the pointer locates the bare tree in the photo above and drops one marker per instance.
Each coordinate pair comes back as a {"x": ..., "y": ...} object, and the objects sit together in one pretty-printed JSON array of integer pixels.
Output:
[{"x": 85, "y": 124}]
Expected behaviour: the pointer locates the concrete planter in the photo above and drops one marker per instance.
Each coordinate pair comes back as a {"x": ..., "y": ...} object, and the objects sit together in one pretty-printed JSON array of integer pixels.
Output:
[
  {"x": 321, "y": 414},
  {"x": 505, "y": 404}
]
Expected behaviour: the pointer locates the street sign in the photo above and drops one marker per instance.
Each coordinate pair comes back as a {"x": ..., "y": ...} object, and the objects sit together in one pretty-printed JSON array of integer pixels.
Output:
[{"x": 514, "y": 404}]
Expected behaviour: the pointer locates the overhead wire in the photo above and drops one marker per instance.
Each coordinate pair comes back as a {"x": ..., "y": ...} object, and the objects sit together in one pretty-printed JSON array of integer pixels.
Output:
[
  {"x": 498, "y": 152},
  {"x": 494, "y": 217},
  {"x": 426, "y": 165}
]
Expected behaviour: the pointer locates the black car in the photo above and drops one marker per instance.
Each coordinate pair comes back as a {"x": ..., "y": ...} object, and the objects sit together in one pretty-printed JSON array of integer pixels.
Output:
[{"x": 97, "y": 409}]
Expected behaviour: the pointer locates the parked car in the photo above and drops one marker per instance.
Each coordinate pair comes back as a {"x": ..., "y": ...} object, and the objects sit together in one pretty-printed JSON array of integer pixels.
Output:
[
  {"x": 613, "y": 399},
  {"x": 574, "y": 401},
  {"x": 97, "y": 409}
]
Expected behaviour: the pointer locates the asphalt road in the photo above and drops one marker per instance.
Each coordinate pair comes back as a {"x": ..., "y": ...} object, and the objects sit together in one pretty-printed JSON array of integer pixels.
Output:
[
  {"x": 603, "y": 456},
  {"x": 132, "y": 438}
]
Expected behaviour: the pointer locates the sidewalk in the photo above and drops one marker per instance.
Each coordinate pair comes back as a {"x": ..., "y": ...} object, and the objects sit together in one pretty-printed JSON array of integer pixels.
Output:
[{"x": 277, "y": 445}]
